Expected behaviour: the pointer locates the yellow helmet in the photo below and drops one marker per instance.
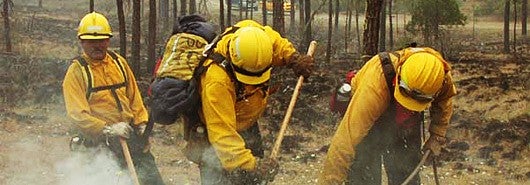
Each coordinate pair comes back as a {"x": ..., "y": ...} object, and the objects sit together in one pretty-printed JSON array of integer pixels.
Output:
[
  {"x": 94, "y": 26},
  {"x": 419, "y": 79},
  {"x": 251, "y": 54}
]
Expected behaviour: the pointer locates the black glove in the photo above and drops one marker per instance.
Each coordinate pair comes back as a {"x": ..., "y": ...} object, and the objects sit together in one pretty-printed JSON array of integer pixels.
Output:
[{"x": 301, "y": 64}]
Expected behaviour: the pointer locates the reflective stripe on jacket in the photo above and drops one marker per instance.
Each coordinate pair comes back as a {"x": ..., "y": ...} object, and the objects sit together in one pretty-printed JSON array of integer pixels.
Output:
[
  {"x": 91, "y": 115},
  {"x": 370, "y": 99}
]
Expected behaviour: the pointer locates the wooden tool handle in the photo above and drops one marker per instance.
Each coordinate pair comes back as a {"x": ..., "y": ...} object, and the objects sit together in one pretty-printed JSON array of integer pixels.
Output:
[
  {"x": 129, "y": 161},
  {"x": 279, "y": 139}
]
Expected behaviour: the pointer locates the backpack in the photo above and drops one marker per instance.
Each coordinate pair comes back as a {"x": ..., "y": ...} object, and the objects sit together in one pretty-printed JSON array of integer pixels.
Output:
[
  {"x": 87, "y": 74},
  {"x": 176, "y": 95}
]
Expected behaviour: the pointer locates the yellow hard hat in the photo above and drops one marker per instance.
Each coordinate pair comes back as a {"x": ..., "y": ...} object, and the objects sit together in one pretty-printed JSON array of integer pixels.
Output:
[
  {"x": 419, "y": 79},
  {"x": 94, "y": 26},
  {"x": 251, "y": 54}
]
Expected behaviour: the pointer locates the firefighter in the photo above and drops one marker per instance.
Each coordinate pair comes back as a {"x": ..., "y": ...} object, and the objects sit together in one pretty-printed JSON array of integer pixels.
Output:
[
  {"x": 227, "y": 144},
  {"x": 384, "y": 116},
  {"x": 102, "y": 98}
]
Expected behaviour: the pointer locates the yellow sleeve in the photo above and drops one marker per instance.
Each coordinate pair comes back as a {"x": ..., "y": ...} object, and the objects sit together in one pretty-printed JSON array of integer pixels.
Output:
[
  {"x": 441, "y": 108},
  {"x": 218, "y": 106},
  {"x": 369, "y": 101},
  {"x": 283, "y": 49},
  {"x": 77, "y": 107},
  {"x": 133, "y": 94}
]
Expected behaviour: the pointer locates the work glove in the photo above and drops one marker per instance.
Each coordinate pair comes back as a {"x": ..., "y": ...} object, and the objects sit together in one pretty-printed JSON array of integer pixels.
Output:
[
  {"x": 140, "y": 129},
  {"x": 267, "y": 169},
  {"x": 434, "y": 144},
  {"x": 301, "y": 64},
  {"x": 122, "y": 129}
]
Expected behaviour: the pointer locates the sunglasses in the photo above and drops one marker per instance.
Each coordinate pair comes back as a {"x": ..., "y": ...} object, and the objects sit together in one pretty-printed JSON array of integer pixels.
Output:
[{"x": 414, "y": 94}]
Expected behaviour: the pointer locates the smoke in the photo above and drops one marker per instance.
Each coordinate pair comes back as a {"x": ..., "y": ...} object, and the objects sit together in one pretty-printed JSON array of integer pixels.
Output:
[
  {"x": 95, "y": 166},
  {"x": 45, "y": 161}
]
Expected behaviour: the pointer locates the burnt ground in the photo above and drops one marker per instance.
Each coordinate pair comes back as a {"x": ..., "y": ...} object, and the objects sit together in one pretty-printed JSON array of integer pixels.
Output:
[{"x": 488, "y": 138}]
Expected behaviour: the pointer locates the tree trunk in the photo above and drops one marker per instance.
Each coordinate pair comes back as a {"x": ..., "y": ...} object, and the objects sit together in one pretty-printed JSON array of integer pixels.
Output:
[
  {"x": 193, "y": 7},
  {"x": 330, "y": 30},
  {"x": 163, "y": 11},
  {"x": 371, "y": 28},
  {"x": 292, "y": 17},
  {"x": 91, "y": 6},
  {"x": 151, "y": 46},
  {"x": 357, "y": 29},
  {"x": 307, "y": 31},
  {"x": 524, "y": 15},
  {"x": 301, "y": 15},
  {"x": 40, "y": 3},
  {"x": 175, "y": 12},
  {"x": 514, "y": 25},
  {"x": 337, "y": 14},
  {"x": 240, "y": 5},
  {"x": 347, "y": 27},
  {"x": 391, "y": 26},
  {"x": 277, "y": 15},
  {"x": 222, "y": 14},
  {"x": 135, "y": 48},
  {"x": 264, "y": 11},
  {"x": 382, "y": 28},
  {"x": 183, "y": 5},
  {"x": 506, "y": 26},
  {"x": 121, "y": 29},
  {"x": 7, "y": 28},
  {"x": 229, "y": 12}
]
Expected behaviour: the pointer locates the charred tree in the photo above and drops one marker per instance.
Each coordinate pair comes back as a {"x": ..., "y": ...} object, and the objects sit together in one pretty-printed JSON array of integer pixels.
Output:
[
  {"x": 307, "y": 31},
  {"x": 91, "y": 6},
  {"x": 292, "y": 17},
  {"x": 151, "y": 37},
  {"x": 382, "y": 28},
  {"x": 193, "y": 7},
  {"x": 277, "y": 15},
  {"x": 357, "y": 29},
  {"x": 524, "y": 17},
  {"x": 301, "y": 15},
  {"x": 183, "y": 6},
  {"x": 371, "y": 28},
  {"x": 390, "y": 26},
  {"x": 135, "y": 45},
  {"x": 229, "y": 12},
  {"x": 121, "y": 28},
  {"x": 330, "y": 30},
  {"x": 506, "y": 26},
  {"x": 514, "y": 26},
  {"x": 264, "y": 11},
  {"x": 222, "y": 14},
  {"x": 347, "y": 26},
  {"x": 163, "y": 12},
  {"x": 337, "y": 13},
  {"x": 175, "y": 12},
  {"x": 7, "y": 28}
]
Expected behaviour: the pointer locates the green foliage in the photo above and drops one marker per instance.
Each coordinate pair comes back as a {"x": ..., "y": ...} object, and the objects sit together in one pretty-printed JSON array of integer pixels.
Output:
[
  {"x": 428, "y": 15},
  {"x": 489, "y": 7}
]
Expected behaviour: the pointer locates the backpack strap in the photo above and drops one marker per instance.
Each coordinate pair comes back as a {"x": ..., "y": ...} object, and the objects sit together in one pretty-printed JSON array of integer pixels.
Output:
[
  {"x": 388, "y": 70},
  {"x": 90, "y": 79}
]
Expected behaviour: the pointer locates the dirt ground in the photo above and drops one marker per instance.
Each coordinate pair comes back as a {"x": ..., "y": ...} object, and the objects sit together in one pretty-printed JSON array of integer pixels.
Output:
[{"x": 488, "y": 138}]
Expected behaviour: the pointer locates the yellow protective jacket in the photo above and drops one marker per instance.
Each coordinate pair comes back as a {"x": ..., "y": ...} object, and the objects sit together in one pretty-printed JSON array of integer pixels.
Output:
[
  {"x": 370, "y": 100},
  {"x": 92, "y": 114},
  {"x": 223, "y": 115}
]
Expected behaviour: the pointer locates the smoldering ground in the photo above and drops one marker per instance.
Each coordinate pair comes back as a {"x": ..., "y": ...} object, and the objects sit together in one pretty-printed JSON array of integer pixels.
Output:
[{"x": 29, "y": 161}]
